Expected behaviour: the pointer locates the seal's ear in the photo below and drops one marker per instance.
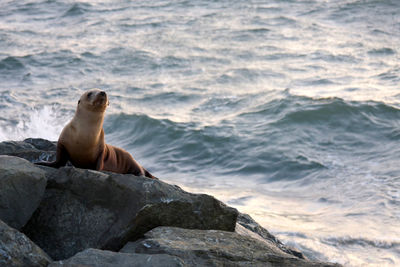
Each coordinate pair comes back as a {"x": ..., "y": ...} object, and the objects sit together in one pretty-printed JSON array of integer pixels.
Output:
[{"x": 79, "y": 102}]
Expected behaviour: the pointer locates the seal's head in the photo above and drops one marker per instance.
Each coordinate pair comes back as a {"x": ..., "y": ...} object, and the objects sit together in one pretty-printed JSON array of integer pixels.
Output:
[{"x": 94, "y": 100}]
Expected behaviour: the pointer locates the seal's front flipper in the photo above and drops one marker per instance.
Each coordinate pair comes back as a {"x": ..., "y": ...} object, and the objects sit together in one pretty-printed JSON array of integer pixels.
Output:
[{"x": 61, "y": 158}]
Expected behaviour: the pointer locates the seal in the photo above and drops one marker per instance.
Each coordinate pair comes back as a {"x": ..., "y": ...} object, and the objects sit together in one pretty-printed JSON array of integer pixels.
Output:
[{"x": 82, "y": 140}]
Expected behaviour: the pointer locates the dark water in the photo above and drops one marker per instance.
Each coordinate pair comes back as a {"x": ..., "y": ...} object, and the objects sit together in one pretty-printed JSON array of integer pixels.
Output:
[{"x": 287, "y": 110}]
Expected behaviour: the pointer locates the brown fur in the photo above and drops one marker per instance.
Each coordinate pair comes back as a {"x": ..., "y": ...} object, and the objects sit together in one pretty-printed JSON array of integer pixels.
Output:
[{"x": 82, "y": 140}]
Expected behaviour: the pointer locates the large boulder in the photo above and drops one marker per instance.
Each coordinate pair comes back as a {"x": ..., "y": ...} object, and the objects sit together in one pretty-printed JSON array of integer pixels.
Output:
[
  {"x": 103, "y": 258},
  {"x": 18, "y": 250},
  {"x": 22, "y": 187},
  {"x": 214, "y": 248},
  {"x": 88, "y": 209}
]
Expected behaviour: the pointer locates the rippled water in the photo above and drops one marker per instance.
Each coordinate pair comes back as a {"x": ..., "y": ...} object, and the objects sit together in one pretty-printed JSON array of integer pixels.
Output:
[{"x": 287, "y": 110}]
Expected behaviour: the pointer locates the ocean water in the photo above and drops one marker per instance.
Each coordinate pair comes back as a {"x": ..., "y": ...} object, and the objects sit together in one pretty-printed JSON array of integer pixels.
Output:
[{"x": 288, "y": 110}]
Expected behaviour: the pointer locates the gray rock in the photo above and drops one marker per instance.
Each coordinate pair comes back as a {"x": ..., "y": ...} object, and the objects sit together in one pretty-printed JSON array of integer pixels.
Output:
[
  {"x": 88, "y": 209},
  {"x": 22, "y": 187},
  {"x": 31, "y": 149},
  {"x": 247, "y": 226},
  {"x": 104, "y": 258},
  {"x": 215, "y": 248},
  {"x": 18, "y": 250}
]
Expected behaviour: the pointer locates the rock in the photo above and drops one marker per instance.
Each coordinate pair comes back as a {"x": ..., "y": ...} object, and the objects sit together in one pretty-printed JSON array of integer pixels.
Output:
[
  {"x": 214, "y": 248},
  {"x": 104, "y": 258},
  {"x": 22, "y": 187},
  {"x": 88, "y": 209},
  {"x": 32, "y": 149},
  {"x": 247, "y": 226},
  {"x": 18, "y": 250}
]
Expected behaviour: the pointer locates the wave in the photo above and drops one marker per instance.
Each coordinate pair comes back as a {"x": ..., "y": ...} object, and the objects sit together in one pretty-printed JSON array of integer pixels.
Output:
[
  {"x": 329, "y": 113},
  {"x": 180, "y": 141},
  {"x": 11, "y": 63},
  {"x": 363, "y": 242},
  {"x": 77, "y": 9},
  {"x": 385, "y": 51},
  {"x": 284, "y": 139}
]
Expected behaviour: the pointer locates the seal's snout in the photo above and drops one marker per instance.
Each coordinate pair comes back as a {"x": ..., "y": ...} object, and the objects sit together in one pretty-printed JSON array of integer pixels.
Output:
[{"x": 95, "y": 100}]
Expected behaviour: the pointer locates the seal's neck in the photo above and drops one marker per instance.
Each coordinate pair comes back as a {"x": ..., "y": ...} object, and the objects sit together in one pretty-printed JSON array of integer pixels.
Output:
[{"x": 87, "y": 121}]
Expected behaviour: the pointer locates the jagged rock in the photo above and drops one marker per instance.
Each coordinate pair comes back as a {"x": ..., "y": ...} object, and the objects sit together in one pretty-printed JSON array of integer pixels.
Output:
[
  {"x": 104, "y": 258},
  {"x": 247, "y": 226},
  {"x": 18, "y": 250},
  {"x": 89, "y": 209},
  {"x": 22, "y": 187},
  {"x": 32, "y": 149},
  {"x": 215, "y": 248}
]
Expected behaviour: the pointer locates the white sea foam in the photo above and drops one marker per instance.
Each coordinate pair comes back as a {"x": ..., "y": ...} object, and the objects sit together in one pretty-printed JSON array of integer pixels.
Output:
[{"x": 45, "y": 122}]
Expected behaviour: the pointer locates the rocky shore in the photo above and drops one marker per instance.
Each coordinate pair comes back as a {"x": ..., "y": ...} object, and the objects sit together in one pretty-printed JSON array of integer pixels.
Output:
[{"x": 77, "y": 217}]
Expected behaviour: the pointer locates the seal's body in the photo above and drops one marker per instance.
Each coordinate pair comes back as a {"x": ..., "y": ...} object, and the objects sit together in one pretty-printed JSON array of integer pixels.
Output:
[{"x": 82, "y": 140}]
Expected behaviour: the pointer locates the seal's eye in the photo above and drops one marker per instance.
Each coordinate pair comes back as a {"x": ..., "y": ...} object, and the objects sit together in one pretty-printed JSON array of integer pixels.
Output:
[{"x": 89, "y": 94}]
